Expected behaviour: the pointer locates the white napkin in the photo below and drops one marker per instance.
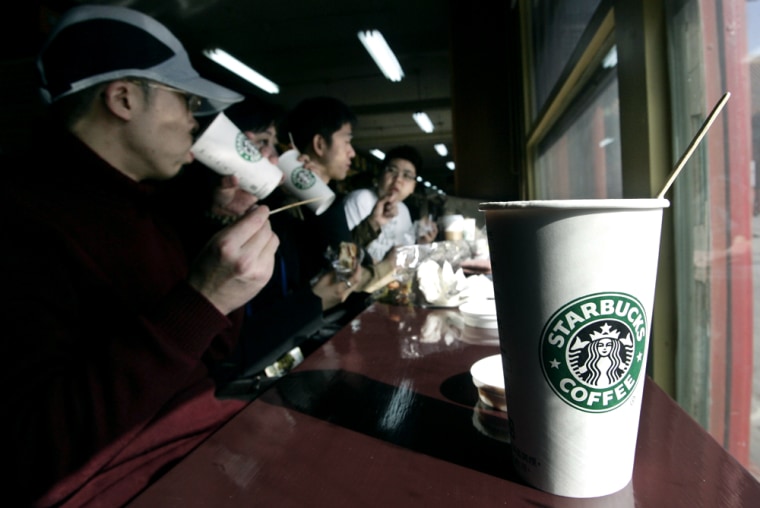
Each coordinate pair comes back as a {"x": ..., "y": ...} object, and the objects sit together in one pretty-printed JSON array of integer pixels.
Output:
[{"x": 439, "y": 284}]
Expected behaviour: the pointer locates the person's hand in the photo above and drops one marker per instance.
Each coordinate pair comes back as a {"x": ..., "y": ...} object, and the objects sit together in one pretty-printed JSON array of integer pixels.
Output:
[
  {"x": 427, "y": 231},
  {"x": 333, "y": 291},
  {"x": 390, "y": 257},
  {"x": 306, "y": 162},
  {"x": 385, "y": 209},
  {"x": 237, "y": 262},
  {"x": 230, "y": 200}
]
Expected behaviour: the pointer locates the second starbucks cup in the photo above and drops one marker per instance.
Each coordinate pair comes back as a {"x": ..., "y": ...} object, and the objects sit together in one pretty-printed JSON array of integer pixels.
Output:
[{"x": 304, "y": 184}]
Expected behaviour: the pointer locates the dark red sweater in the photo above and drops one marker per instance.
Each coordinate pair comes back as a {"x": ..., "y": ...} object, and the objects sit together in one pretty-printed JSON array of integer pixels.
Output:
[{"x": 105, "y": 345}]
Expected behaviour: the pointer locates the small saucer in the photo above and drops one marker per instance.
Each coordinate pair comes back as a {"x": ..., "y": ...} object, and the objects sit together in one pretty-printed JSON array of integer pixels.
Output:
[
  {"x": 479, "y": 313},
  {"x": 488, "y": 378}
]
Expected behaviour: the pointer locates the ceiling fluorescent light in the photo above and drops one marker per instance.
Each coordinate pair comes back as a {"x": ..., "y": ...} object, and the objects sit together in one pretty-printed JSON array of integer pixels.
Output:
[
  {"x": 451, "y": 165},
  {"x": 381, "y": 53},
  {"x": 236, "y": 66},
  {"x": 423, "y": 121},
  {"x": 377, "y": 153},
  {"x": 441, "y": 149}
]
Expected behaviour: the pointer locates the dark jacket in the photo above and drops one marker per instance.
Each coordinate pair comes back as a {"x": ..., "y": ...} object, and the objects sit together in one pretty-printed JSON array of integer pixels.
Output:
[{"x": 106, "y": 346}]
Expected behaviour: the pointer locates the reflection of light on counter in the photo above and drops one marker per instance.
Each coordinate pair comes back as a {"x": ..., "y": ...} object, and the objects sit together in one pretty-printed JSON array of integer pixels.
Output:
[
  {"x": 398, "y": 406},
  {"x": 441, "y": 331},
  {"x": 490, "y": 422},
  {"x": 480, "y": 336},
  {"x": 443, "y": 326}
]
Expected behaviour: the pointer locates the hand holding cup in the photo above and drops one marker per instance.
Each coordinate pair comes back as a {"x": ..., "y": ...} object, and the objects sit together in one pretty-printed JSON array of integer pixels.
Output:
[
  {"x": 303, "y": 183},
  {"x": 230, "y": 200},
  {"x": 237, "y": 262}
]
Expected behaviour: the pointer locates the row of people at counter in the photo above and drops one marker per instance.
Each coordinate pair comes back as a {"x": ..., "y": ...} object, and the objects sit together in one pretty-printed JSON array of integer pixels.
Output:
[
  {"x": 305, "y": 300},
  {"x": 142, "y": 282}
]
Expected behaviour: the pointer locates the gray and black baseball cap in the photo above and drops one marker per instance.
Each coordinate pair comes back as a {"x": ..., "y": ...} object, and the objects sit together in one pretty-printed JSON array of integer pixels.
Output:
[{"x": 94, "y": 44}]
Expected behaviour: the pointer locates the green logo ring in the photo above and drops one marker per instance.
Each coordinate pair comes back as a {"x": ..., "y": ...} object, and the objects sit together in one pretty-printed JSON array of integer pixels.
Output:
[
  {"x": 245, "y": 148},
  {"x": 592, "y": 350},
  {"x": 302, "y": 178}
]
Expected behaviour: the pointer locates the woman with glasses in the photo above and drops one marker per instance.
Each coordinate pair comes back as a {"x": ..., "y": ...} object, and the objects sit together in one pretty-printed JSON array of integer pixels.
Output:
[{"x": 378, "y": 218}]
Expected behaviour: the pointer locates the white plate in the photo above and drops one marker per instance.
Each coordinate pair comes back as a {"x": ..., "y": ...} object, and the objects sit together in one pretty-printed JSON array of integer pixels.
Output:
[
  {"x": 480, "y": 313},
  {"x": 488, "y": 378}
]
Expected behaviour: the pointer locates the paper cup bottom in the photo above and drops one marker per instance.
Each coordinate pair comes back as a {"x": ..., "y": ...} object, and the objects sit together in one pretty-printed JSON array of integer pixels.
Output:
[{"x": 562, "y": 462}]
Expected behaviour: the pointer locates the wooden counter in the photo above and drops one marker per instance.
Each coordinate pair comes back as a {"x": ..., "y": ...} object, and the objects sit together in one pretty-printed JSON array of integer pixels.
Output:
[{"x": 385, "y": 414}]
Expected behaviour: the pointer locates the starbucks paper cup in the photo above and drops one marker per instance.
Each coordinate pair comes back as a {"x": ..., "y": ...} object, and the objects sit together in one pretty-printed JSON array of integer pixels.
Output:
[
  {"x": 574, "y": 286},
  {"x": 226, "y": 150},
  {"x": 304, "y": 183}
]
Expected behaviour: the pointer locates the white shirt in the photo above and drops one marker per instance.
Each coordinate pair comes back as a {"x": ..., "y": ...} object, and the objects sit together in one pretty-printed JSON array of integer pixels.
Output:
[{"x": 398, "y": 231}]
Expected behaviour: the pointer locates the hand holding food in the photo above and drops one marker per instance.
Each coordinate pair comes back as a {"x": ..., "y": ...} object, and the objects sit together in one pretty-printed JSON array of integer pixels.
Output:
[
  {"x": 347, "y": 258},
  {"x": 333, "y": 291}
]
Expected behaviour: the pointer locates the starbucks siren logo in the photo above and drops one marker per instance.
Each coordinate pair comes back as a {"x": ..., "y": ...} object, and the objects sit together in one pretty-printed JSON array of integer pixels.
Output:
[
  {"x": 302, "y": 178},
  {"x": 246, "y": 149},
  {"x": 592, "y": 350}
]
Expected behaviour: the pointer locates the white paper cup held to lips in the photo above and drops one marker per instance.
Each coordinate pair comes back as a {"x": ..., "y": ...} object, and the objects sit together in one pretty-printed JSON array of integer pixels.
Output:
[
  {"x": 574, "y": 283},
  {"x": 304, "y": 183},
  {"x": 226, "y": 150}
]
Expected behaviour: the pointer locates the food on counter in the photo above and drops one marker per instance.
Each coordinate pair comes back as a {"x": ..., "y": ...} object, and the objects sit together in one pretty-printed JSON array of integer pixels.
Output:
[
  {"x": 396, "y": 292},
  {"x": 347, "y": 256}
]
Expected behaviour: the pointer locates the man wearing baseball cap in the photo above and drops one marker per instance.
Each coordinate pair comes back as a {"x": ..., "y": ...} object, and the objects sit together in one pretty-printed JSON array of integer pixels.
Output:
[{"x": 112, "y": 324}]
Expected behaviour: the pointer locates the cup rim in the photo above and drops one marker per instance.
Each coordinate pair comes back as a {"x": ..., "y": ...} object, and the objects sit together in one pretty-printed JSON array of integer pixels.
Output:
[{"x": 576, "y": 204}]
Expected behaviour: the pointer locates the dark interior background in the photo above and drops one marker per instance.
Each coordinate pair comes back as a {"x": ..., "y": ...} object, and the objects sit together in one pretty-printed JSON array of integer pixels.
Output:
[{"x": 454, "y": 56}]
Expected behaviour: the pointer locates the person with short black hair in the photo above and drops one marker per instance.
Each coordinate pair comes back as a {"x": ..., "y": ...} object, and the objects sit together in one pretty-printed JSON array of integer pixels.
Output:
[{"x": 322, "y": 130}]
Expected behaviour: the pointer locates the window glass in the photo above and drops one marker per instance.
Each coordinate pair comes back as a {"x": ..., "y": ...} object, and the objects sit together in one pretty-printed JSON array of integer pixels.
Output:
[
  {"x": 715, "y": 214},
  {"x": 556, "y": 29},
  {"x": 753, "y": 48},
  {"x": 580, "y": 158}
]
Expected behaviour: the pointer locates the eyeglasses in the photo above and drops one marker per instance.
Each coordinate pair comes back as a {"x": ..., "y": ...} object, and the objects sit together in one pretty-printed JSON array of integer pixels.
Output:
[
  {"x": 406, "y": 175},
  {"x": 193, "y": 101}
]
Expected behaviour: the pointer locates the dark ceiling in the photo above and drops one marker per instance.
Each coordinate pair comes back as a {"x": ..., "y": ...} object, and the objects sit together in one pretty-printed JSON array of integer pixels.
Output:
[{"x": 311, "y": 48}]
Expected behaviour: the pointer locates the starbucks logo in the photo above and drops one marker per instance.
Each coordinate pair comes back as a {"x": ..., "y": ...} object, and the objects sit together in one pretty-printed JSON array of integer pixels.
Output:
[
  {"x": 592, "y": 350},
  {"x": 246, "y": 149},
  {"x": 302, "y": 178}
]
